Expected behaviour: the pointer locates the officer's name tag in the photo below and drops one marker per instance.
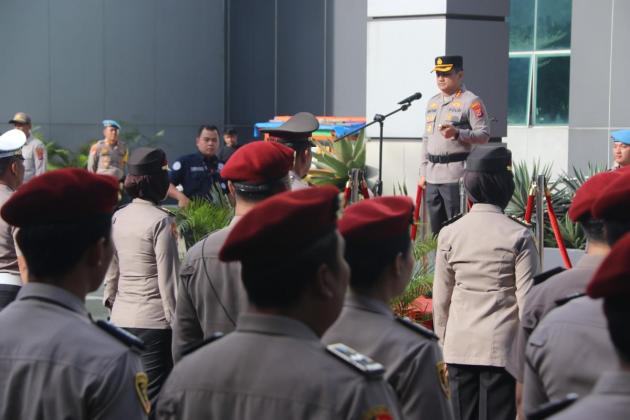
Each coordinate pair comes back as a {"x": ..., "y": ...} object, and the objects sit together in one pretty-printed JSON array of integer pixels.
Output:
[
  {"x": 197, "y": 169},
  {"x": 356, "y": 359}
]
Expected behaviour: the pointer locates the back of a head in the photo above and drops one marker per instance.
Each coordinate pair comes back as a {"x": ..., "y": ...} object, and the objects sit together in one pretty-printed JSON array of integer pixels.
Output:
[
  {"x": 488, "y": 176},
  {"x": 375, "y": 231},
  {"x": 282, "y": 242},
  {"x": 612, "y": 282},
  {"x": 147, "y": 176},
  {"x": 59, "y": 214},
  {"x": 612, "y": 206}
]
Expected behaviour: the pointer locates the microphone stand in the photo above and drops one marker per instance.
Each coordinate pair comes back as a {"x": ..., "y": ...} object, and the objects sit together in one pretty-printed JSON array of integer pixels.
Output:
[{"x": 380, "y": 119}]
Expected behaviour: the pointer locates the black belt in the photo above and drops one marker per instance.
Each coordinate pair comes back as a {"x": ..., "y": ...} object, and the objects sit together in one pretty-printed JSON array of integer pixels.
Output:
[{"x": 453, "y": 157}]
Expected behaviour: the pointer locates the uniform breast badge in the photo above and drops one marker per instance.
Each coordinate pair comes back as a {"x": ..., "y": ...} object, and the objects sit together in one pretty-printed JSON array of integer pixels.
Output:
[
  {"x": 442, "y": 371},
  {"x": 141, "y": 385}
]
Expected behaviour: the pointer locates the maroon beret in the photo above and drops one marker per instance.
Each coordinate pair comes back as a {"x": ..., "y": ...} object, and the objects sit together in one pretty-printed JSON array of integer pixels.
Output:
[
  {"x": 613, "y": 276},
  {"x": 376, "y": 219},
  {"x": 614, "y": 201},
  {"x": 283, "y": 226},
  {"x": 259, "y": 162},
  {"x": 59, "y": 196},
  {"x": 590, "y": 190}
]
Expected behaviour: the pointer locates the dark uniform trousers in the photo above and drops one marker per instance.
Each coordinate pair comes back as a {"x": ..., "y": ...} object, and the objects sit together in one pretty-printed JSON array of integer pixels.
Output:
[
  {"x": 8, "y": 292},
  {"x": 482, "y": 392},
  {"x": 157, "y": 358},
  {"x": 443, "y": 203}
]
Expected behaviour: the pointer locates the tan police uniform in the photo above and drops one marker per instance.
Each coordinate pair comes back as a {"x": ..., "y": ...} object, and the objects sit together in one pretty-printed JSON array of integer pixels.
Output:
[
  {"x": 142, "y": 277},
  {"x": 272, "y": 367},
  {"x": 8, "y": 255},
  {"x": 35, "y": 158},
  {"x": 411, "y": 355},
  {"x": 107, "y": 159},
  {"x": 483, "y": 270},
  {"x": 567, "y": 352},
  {"x": 542, "y": 299},
  {"x": 49, "y": 342},
  {"x": 210, "y": 296}
]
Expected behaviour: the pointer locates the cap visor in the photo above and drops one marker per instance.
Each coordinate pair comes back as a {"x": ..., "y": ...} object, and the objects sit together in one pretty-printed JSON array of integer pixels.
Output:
[{"x": 443, "y": 68}]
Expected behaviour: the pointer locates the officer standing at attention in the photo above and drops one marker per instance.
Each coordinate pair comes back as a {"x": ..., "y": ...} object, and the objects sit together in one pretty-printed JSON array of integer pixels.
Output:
[
  {"x": 210, "y": 294},
  {"x": 621, "y": 147},
  {"x": 610, "y": 398},
  {"x": 484, "y": 266},
  {"x": 274, "y": 365},
  {"x": 197, "y": 172},
  {"x": 578, "y": 327},
  {"x": 34, "y": 151},
  {"x": 140, "y": 285},
  {"x": 55, "y": 362},
  {"x": 379, "y": 252},
  {"x": 542, "y": 297},
  {"x": 109, "y": 156},
  {"x": 296, "y": 133},
  {"x": 11, "y": 173},
  {"x": 456, "y": 119}
]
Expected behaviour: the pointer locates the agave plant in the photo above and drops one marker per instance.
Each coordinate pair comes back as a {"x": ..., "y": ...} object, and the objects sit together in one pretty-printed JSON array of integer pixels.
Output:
[{"x": 333, "y": 167}]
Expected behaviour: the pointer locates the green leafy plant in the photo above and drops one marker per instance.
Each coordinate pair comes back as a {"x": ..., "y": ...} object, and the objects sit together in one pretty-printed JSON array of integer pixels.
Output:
[
  {"x": 333, "y": 167},
  {"x": 204, "y": 216}
]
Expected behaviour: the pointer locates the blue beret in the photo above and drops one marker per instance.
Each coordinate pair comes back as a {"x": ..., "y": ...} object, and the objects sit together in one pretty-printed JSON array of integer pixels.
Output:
[
  {"x": 111, "y": 123},
  {"x": 622, "y": 136}
]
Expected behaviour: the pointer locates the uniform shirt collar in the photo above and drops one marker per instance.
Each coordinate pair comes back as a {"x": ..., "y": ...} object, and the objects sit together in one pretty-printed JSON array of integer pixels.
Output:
[
  {"x": 6, "y": 187},
  {"x": 275, "y": 325},
  {"x": 142, "y": 201},
  {"x": 235, "y": 220},
  {"x": 485, "y": 207},
  {"x": 52, "y": 294},
  {"x": 590, "y": 261},
  {"x": 362, "y": 302}
]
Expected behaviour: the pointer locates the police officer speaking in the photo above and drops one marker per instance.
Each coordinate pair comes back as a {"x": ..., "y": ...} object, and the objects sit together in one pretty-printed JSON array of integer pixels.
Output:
[{"x": 456, "y": 119}]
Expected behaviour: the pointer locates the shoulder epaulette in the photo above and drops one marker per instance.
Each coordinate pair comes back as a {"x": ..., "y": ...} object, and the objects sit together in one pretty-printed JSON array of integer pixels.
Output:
[
  {"x": 569, "y": 298},
  {"x": 552, "y": 407},
  {"x": 167, "y": 211},
  {"x": 453, "y": 219},
  {"x": 127, "y": 338},
  {"x": 417, "y": 328},
  {"x": 359, "y": 361},
  {"x": 520, "y": 221},
  {"x": 541, "y": 277},
  {"x": 199, "y": 344}
]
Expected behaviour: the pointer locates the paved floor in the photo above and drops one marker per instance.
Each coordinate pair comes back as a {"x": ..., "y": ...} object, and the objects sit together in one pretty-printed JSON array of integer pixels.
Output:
[{"x": 94, "y": 304}]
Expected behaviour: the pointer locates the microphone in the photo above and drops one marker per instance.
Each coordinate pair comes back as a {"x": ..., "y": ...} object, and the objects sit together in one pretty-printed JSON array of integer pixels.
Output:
[{"x": 411, "y": 98}]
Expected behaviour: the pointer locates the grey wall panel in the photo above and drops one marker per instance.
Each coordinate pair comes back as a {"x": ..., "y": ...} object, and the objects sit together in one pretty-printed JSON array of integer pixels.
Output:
[
  {"x": 24, "y": 65},
  {"x": 588, "y": 146},
  {"x": 484, "y": 45},
  {"x": 498, "y": 8},
  {"x": 77, "y": 74},
  {"x": 189, "y": 62},
  {"x": 301, "y": 56},
  {"x": 129, "y": 60},
  {"x": 590, "y": 64},
  {"x": 620, "y": 82},
  {"x": 73, "y": 136},
  {"x": 251, "y": 77},
  {"x": 180, "y": 140}
]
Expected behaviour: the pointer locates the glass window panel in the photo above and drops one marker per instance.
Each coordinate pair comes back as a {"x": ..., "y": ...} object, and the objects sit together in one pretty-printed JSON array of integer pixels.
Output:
[
  {"x": 521, "y": 24},
  {"x": 553, "y": 25},
  {"x": 518, "y": 90},
  {"x": 552, "y": 90}
]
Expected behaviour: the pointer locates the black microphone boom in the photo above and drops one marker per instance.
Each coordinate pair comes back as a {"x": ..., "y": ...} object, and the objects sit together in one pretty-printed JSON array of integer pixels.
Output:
[{"x": 411, "y": 98}]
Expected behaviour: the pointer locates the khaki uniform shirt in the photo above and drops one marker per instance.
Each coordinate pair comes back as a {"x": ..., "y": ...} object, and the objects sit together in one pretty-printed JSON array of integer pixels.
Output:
[
  {"x": 297, "y": 183},
  {"x": 56, "y": 364},
  {"x": 462, "y": 107},
  {"x": 542, "y": 299},
  {"x": 484, "y": 266},
  {"x": 8, "y": 255},
  {"x": 106, "y": 159},
  {"x": 413, "y": 362},
  {"x": 35, "y": 158},
  {"x": 567, "y": 352},
  {"x": 271, "y": 367},
  {"x": 204, "y": 282},
  {"x": 609, "y": 400},
  {"x": 142, "y": 276}
]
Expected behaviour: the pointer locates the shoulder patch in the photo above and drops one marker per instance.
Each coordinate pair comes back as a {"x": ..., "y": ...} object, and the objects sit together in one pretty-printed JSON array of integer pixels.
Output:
[
  {"x": 94, "y": 148},
  {"x": 520, "y": 221},
  {"x": 552, "y": 407},
  {"x": 540, "y": 278},
  {"x": 453, "y": 219},
  {"x": 360, "y": 362},
  {"x": 569, "y": 298},
  {"x": 477, "y": 109},
  {"x": 199, "y": 344},
  {"x": 121, "y": 335},
  {"x": 417, "y": 328}
]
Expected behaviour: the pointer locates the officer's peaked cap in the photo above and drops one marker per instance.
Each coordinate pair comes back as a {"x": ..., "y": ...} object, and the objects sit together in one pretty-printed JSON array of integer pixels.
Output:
[{"x": 489, "y": 158}]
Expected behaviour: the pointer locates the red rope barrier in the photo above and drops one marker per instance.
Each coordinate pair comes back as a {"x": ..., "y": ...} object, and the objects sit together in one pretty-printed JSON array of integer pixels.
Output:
[
  {"x": 416, "y": 213},
  {"x": 556, "y": 231}
]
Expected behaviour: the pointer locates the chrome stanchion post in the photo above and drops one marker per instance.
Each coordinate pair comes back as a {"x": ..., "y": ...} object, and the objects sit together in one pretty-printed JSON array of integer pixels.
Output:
[{"x": 540, "y": 216}]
